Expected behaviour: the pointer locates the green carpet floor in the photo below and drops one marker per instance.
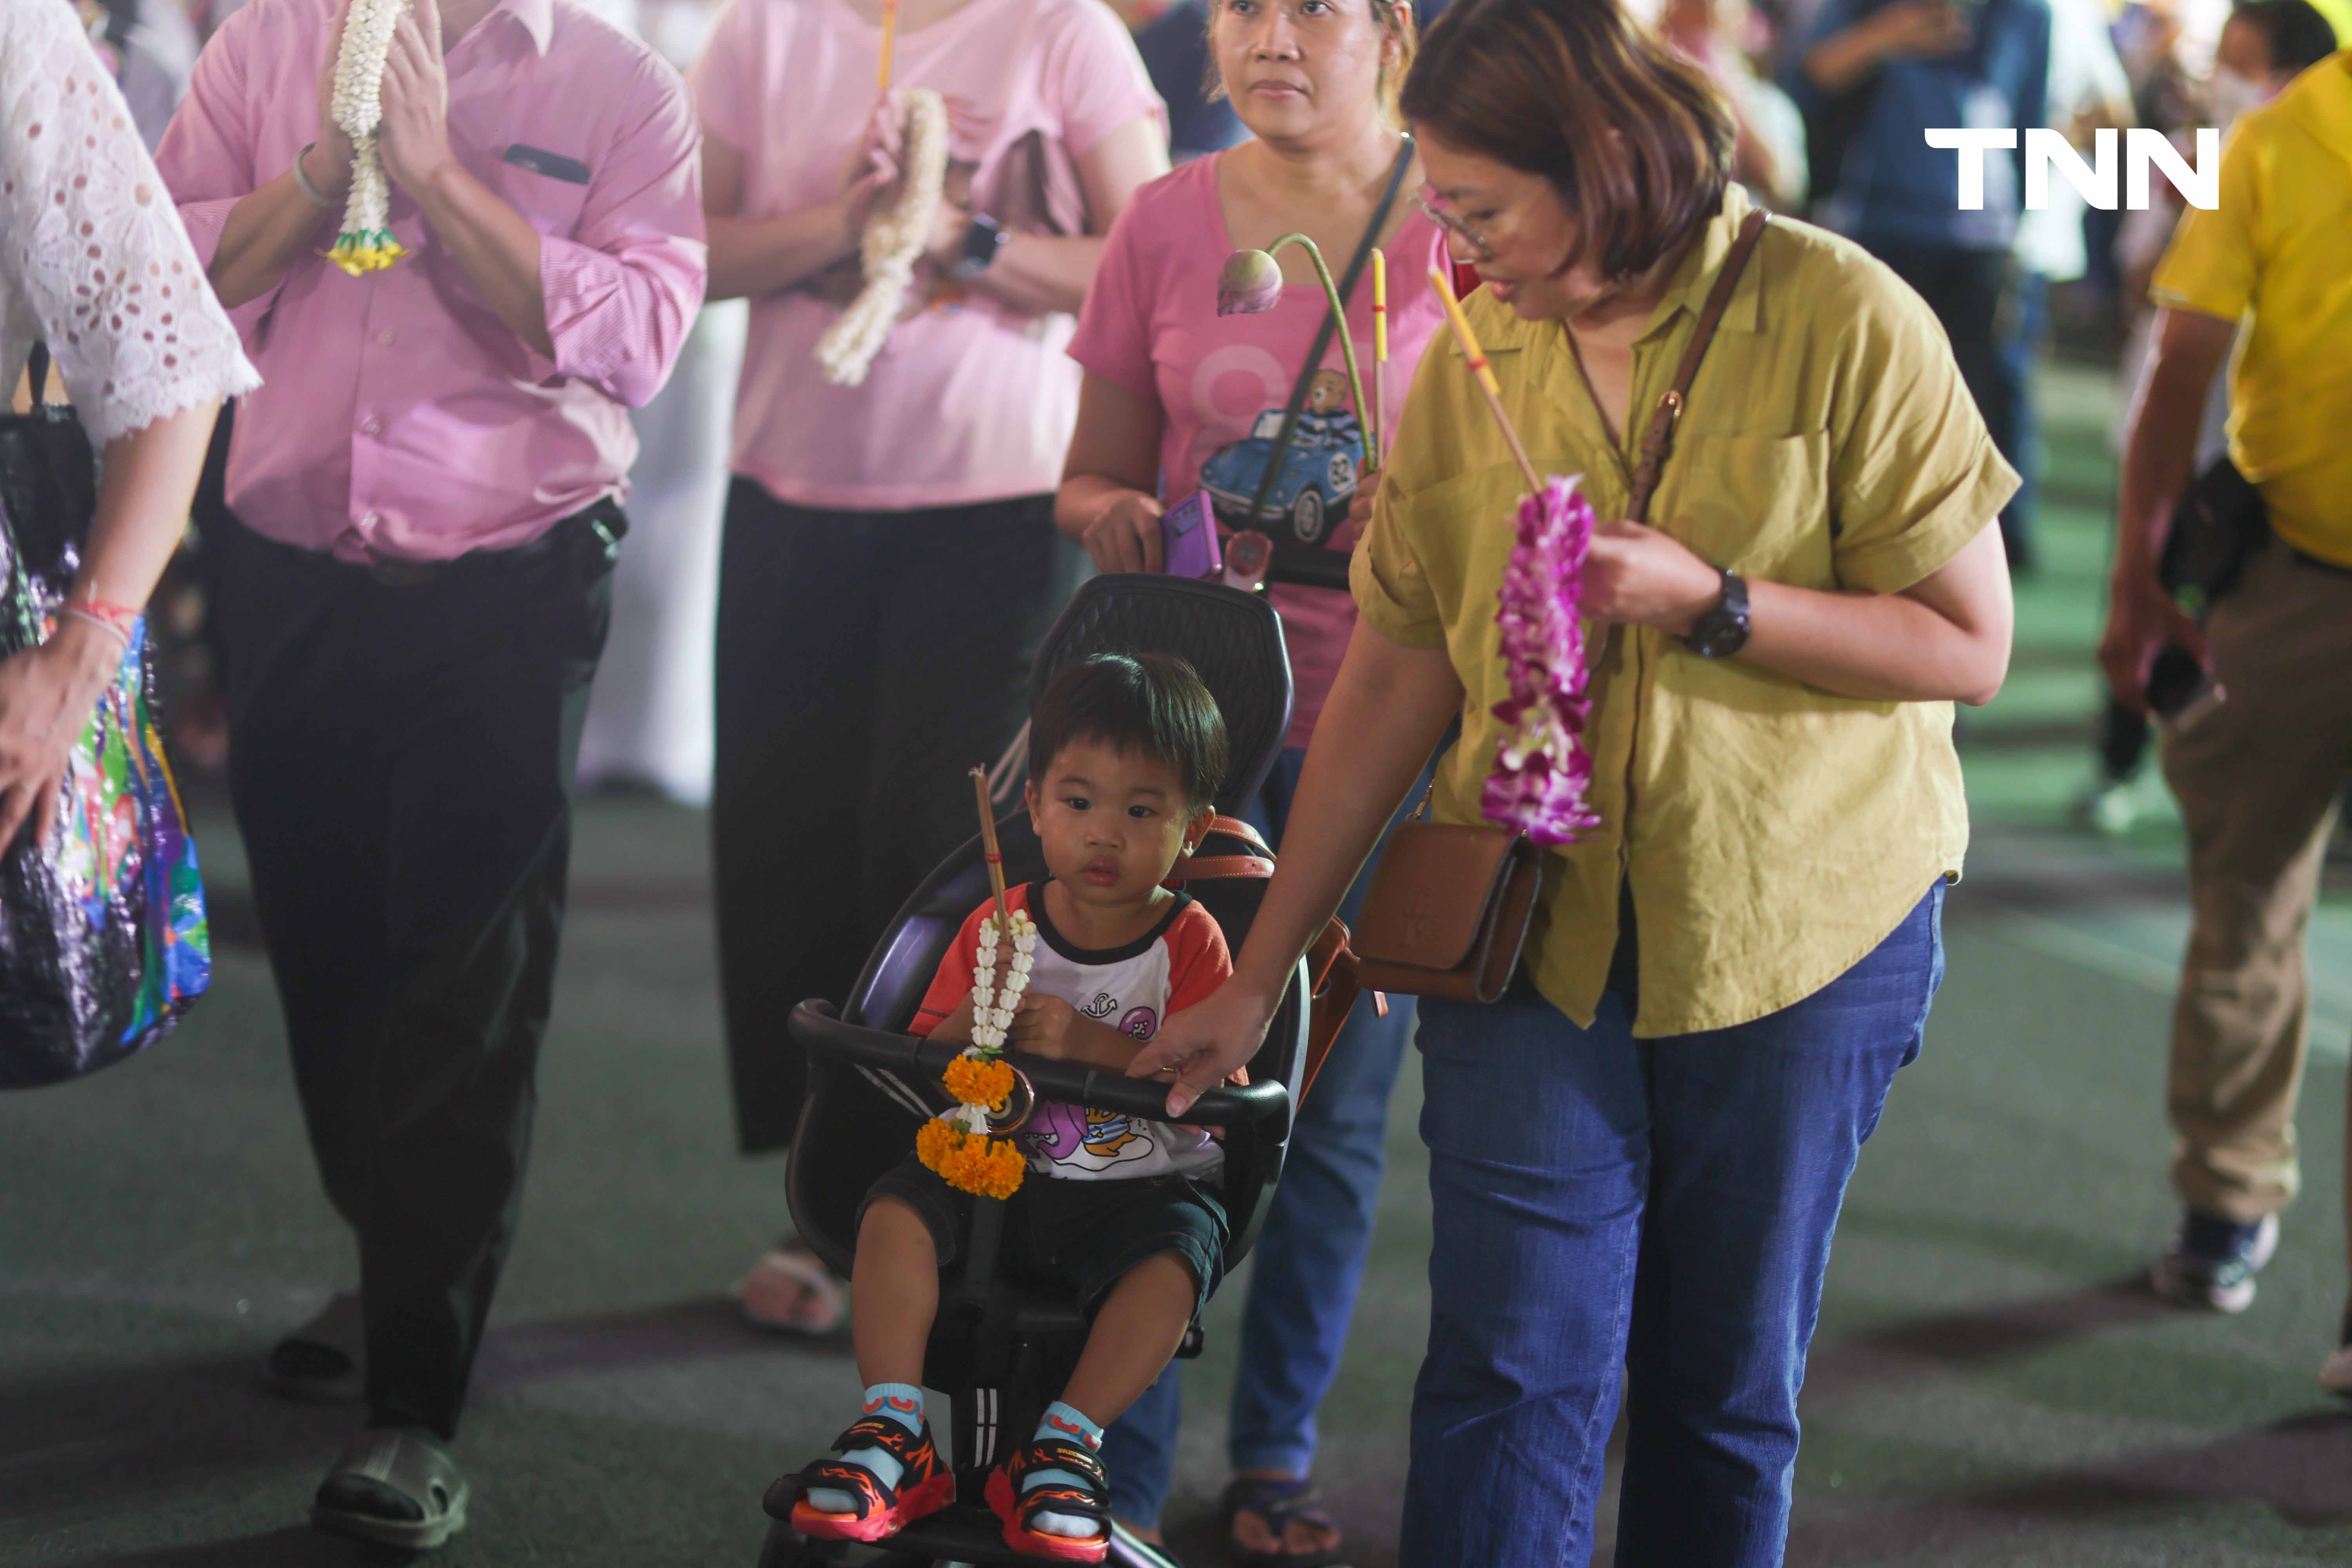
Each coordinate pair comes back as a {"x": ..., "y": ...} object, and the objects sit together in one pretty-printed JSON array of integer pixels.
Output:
[{"x": 1990, "y": 1384}]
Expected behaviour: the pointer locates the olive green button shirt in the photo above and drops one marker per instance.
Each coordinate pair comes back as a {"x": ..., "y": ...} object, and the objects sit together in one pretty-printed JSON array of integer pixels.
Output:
[{"x": 1773, "y": 834}]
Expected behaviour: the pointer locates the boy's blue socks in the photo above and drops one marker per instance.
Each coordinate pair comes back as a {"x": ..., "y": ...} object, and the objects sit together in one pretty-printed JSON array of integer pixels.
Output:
[
  {"x": 902, "y": 1403},
  {"x": 1068, "y": 1423}
]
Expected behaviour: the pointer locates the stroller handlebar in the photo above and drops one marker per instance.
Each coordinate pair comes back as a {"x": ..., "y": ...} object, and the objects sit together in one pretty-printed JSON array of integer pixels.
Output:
[{"x": 817, "y": 1026}]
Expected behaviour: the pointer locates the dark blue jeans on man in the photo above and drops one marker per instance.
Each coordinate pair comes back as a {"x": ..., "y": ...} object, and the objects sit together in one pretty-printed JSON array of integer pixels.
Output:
[
  {"x": 1309, "y": 1258},
  {"x": 1656, "y": 1212}
]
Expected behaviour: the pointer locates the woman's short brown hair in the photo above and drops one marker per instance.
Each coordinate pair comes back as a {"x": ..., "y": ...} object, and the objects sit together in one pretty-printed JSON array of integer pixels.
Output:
[
  {"x": 1637, "y": 141},
  {"x": 1395, "y": 18}
]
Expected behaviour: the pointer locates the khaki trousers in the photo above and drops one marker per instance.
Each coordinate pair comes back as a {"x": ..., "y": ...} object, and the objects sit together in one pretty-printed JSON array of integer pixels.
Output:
[{"x": 2257, "y": 777}]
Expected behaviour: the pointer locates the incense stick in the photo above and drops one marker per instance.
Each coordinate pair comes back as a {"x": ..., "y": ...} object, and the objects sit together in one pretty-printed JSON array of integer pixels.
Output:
[
  {"x": 1380, "y": 355},
  {"x": 993, "y": 852},
  {"x": 1485, "y": 374},
  {"x": 889, "y": 37}
]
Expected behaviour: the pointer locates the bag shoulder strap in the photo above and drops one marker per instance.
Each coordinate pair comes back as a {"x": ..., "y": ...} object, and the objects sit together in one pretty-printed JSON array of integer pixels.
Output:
[
  {"x": 37, "y": 373},
  {"x": 1660, "y": 439}
]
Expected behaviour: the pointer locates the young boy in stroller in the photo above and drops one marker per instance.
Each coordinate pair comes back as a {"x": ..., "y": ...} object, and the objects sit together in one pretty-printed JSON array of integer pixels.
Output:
[{"x": 1127, "y": 753}]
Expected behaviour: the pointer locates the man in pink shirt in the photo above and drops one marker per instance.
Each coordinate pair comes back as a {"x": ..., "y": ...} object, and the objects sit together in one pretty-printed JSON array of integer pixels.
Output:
[{"x": 413, "y": 555}]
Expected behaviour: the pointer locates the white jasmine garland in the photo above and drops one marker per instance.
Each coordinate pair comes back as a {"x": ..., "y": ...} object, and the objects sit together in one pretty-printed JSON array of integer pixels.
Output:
[
  {"x": 893, "y": 241},
  {"x": 991, "y": 1015},
  {"x": 365, "y": 243}
]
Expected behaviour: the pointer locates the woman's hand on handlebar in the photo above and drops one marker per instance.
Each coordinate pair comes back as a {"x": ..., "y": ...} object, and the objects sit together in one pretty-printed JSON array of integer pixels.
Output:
[
  {"x": 1204, "y": 1045},
  {"x": 1125, "y": 535}
]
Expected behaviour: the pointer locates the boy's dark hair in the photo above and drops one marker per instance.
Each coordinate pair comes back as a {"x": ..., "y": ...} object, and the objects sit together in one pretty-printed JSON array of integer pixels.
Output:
[
  {"x": 1153, "y": 703},
  {"x": 2299, "y": 36}
]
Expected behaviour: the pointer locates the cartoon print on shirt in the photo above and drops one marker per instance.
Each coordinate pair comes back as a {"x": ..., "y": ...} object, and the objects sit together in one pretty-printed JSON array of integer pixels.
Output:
[
  {"x": 1103, "y": 1005},
  {"x": 1140, "y": 1023},
  {"x": 1090, "y": 1140},
  {"x": 1319, "y": 472}
]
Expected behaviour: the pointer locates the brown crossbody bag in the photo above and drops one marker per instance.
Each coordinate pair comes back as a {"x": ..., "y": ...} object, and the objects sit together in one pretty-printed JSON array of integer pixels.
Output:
[{"x": 1449, "y": 906}]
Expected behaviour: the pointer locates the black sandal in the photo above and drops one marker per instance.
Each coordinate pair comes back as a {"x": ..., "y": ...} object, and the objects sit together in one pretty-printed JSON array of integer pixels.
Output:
[
  {"x": 1281, "y": 1502},
  {"x": 1015, "y": 1508}
]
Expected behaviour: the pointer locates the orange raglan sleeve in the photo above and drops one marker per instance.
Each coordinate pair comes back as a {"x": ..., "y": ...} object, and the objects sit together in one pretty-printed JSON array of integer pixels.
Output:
[
  {"x": 952, "y": 984},
  {"x": 1198, "y": 962}
]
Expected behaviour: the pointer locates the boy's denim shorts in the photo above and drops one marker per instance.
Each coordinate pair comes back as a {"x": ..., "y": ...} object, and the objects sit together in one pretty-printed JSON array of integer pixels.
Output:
[{"x": 1082, "y": 1236}]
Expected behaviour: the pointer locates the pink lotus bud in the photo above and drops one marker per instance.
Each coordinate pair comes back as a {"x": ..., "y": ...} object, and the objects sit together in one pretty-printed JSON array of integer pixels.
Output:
[{"x": 1249, "y": 284}]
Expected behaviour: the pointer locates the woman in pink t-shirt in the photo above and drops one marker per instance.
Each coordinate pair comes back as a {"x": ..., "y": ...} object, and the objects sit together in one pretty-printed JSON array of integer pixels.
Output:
[
  {"x": 1178, "y": 399},
  {"x": 890, "y": 562}
]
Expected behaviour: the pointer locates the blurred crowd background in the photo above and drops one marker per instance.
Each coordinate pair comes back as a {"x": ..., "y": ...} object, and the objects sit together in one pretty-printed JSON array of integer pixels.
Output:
[{"x": 2074, "y": 283}]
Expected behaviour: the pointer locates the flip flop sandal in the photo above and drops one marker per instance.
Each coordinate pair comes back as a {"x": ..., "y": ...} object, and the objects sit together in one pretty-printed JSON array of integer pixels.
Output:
[
  {"x": 1281, "y": 1503},
  {"x": 805, "y": 1270},
  {"x": 392, "y": 1486},
  {"x": 326, "y": 1358},
  {"x": 1017, "y": 1508},
  {"x": 925, "y": 1486}
]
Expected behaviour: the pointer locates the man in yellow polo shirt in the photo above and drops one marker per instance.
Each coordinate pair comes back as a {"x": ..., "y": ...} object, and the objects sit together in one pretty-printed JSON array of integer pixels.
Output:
[{"x": 2258, "y": 772}]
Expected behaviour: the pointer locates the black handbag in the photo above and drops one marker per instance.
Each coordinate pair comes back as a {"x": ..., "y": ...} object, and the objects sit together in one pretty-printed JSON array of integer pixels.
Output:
[{"x": 2221, "y": 523}]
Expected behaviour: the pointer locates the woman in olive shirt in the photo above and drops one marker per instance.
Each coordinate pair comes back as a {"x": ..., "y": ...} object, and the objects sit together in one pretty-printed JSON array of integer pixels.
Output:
[{"x": 1637, "y": 1157}]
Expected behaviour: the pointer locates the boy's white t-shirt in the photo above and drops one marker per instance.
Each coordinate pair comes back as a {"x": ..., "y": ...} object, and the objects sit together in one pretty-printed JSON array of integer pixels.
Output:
[{"x": 1133, "y": 989}]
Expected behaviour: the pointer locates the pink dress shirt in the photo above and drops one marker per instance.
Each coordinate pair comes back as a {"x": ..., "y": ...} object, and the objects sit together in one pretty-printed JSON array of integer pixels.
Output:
[
  {"x": 969, "y": 401},
  {"x": 401, "y": 420}
]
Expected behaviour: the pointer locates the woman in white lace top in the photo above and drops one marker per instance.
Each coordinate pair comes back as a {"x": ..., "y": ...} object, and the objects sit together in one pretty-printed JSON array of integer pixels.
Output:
[{"x": 93, "y": 262}]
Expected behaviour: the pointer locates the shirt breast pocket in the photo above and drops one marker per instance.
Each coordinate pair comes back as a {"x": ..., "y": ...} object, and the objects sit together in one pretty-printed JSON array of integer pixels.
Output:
[
  {"x": 549, "y": 189},
  {"x": 1757, "y": 504}
]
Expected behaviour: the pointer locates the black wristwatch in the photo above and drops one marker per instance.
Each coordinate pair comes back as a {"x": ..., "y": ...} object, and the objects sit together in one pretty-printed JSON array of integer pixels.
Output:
[
  {"x": 982, "y": 240},
  {"x": 1722, "y": 630}
]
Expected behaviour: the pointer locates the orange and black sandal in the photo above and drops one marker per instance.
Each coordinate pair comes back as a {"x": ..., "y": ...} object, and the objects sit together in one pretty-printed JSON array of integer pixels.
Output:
[
  {"x": 1017, "y": 1508},
  {"x": 925, "y": 1487}
]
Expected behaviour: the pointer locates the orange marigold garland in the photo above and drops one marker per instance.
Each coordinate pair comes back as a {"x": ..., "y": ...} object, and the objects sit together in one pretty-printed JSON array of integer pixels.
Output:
[
  {"x": 972, "y": 1161},
  {"x": 962, "y": 1146},
  {"x": 979, "y": 1080}
]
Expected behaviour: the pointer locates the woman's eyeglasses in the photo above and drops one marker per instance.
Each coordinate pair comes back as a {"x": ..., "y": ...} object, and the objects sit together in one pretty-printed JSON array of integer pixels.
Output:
[{"x": 1458, "y": 226}]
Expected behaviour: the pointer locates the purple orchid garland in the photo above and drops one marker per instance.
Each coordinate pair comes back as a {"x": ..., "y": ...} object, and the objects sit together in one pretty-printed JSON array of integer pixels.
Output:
[{"x": 1542, "y": 770}]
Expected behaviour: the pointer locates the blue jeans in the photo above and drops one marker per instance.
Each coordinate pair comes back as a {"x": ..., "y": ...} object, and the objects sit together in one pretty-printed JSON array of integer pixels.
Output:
[
  {"x": 1661, "y": 1206},
  {"x": 1309, "y": 1258}
]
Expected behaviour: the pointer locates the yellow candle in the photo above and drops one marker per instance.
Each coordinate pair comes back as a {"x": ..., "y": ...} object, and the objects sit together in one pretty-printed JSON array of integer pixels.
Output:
[
  {"x": 1470, "y": 349},
  {"x": 889, "y": 35},
  {"x": 1379, "y": 306}
]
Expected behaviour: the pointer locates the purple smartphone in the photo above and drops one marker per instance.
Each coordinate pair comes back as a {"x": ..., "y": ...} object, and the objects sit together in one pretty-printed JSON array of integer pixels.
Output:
[{"x": 1188, "y": 536}]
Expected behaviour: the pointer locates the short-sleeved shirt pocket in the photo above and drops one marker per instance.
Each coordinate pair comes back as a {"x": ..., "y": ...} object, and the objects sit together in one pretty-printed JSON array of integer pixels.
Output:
[{"x": 1758, "y": 504}]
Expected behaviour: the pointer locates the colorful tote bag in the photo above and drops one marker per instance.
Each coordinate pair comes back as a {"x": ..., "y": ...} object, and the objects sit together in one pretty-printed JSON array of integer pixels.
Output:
[{"x": 103, "y": 937}]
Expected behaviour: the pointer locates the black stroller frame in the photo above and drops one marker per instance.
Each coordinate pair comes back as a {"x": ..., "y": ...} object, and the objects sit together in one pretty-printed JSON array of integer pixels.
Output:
[{"x": 1002, "y": 1346}]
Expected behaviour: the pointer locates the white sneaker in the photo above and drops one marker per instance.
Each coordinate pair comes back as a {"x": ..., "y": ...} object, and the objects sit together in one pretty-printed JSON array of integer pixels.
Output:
[{"x": 2108, "y": 808}]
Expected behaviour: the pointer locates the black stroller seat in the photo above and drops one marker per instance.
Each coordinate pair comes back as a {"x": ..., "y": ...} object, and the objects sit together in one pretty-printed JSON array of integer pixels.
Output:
[{"x": 1003, "y": 1346}]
